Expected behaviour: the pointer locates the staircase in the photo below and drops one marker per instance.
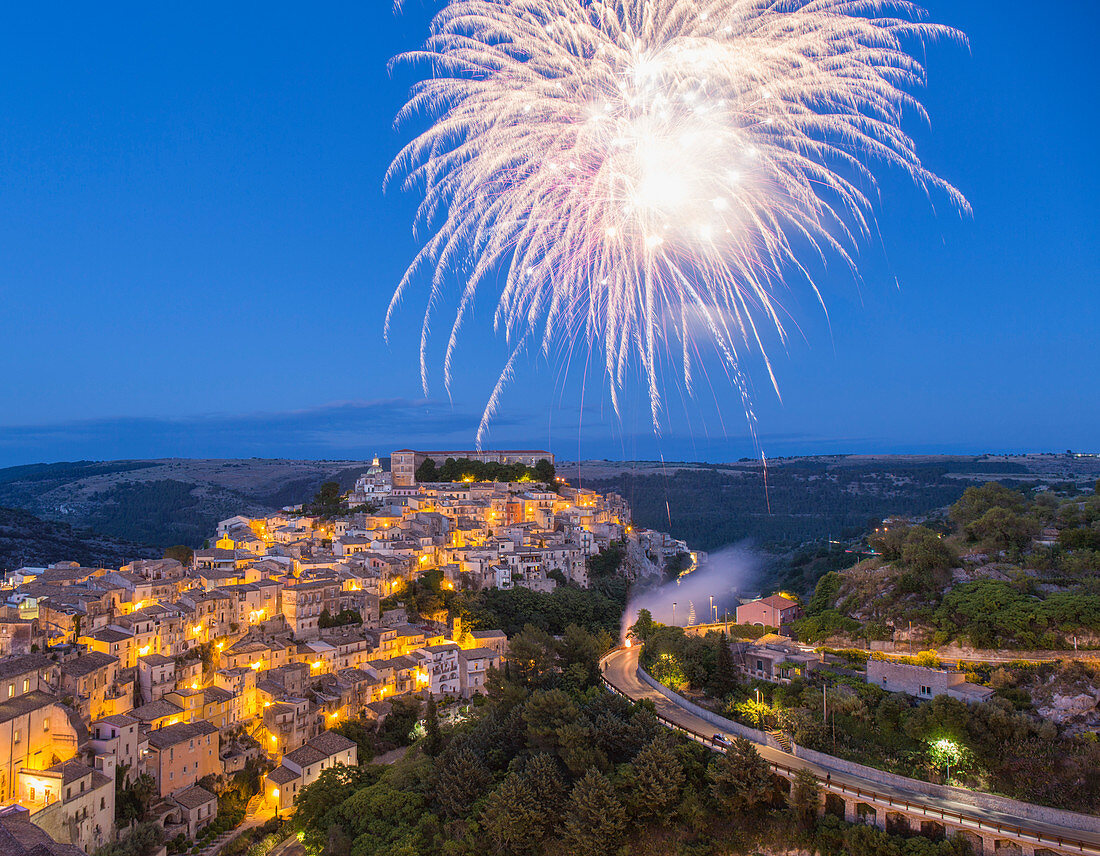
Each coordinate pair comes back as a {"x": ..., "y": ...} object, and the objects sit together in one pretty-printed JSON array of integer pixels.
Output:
[{"x": 782, "y": 739}]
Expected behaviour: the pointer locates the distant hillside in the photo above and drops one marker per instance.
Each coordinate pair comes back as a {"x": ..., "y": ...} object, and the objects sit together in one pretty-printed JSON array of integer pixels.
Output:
[
  {"x": 178, "y": 501},
  {"x": 810, "y": 498},
  {"x": 165, "y": 502},
  {"x": 29, "y": 540}
]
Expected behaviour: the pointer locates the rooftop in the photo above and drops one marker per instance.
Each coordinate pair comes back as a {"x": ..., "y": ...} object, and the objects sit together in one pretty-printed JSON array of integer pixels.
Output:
[
  {"x": 173, "y": 735},
  {"x": 85, "y": 665},
  {"x": 330, "y": 743},
  {"x": 281, "y": 775},
  {"x": 14, "y": 666},
  {"x": 25, "y": 703},
  {"x": 194, "y": 796}
]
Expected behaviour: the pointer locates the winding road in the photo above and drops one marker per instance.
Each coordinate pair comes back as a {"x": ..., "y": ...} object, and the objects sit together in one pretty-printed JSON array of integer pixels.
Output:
[{"x": 620, "y": 672}]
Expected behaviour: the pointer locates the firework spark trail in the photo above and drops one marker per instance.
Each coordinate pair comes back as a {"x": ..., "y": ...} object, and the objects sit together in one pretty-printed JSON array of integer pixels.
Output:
[{"x": 640, "y": 169}]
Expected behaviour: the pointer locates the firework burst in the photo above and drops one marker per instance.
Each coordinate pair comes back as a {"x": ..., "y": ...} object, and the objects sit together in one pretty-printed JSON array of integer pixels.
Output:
[{"x": 644, "y": 175}]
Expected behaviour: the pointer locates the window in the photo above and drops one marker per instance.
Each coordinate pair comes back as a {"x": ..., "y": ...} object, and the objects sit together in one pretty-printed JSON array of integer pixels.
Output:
[
  {"x": 11, "y": 690},
  {"x": 46, "y": 724},
  {"x": 15, "y": 736},
  {"x": 26, "y": 685},
  {"x": 30, "y": 792}
]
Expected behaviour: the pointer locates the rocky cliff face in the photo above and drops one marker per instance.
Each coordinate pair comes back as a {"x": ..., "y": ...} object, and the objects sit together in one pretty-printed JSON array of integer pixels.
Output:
[{"x": 1068, "y": 695}]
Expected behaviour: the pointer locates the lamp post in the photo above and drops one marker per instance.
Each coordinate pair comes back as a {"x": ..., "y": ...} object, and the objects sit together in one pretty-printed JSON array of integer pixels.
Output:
[
  {"x": 712, "y": 607},
  {"x": 673, "y": 613},
  {"x": 275, "y": 796}
]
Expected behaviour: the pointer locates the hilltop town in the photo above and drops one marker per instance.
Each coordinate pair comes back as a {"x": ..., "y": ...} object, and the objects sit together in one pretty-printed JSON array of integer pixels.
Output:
[{"x": 243, "y": 656}]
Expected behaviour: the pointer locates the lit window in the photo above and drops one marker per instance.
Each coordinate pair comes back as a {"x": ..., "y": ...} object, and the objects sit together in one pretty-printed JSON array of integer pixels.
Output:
[{"x": 46, "y": 724}]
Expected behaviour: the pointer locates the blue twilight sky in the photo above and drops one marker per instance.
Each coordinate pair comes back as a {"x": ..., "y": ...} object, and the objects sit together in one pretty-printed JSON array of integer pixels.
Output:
[{"x": 196, "y": 253}]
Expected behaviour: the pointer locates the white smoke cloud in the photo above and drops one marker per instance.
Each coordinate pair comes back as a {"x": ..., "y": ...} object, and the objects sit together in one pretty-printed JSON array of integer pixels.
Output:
[{"x": 726, "y": 575}]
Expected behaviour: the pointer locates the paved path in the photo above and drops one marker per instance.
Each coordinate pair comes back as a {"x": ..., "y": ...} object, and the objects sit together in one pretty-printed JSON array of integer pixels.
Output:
[
  {"x": 620, "y": 671},
  {"x": 391, "y": 757},
  {"x": 289, "y": 847}
]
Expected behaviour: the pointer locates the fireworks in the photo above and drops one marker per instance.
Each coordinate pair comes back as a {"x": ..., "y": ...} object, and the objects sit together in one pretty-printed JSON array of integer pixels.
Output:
[{"x": 645, "y": 175}]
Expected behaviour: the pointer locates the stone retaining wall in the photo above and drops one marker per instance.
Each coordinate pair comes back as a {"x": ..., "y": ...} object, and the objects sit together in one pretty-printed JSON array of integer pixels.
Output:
[{"x": 990, "y": 802}]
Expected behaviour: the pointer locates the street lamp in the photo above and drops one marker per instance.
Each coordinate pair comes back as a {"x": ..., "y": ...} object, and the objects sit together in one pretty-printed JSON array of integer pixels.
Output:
[
  {"x": 712, "y": 604},
  {"x": 275, "y": 796},
  {"x": 673, "y": 613},
  {"x": 947, "y": 752}
]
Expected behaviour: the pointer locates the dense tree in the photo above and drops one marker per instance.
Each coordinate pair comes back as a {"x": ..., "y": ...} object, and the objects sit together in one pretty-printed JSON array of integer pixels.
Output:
[
  {"x": 595, "y": 819},
  {"x": 607, "y": 562},
  {"x": 544, "y": 471},
  {"x": 723, "y": 680},
  {"x": 181, "y": 553},
  {"x": 433, "y": 738},
  {"x": 513, "y": 610},
  {"x": 327, "y": 502},
  {"x": 543, "y": 777},
  {"x": 318, "y": 807},
  {"x": 924, "y": 551},
  {"x": 804, "y": 798},
  {"x": 1002, "y": 529},
  {"x": 655, "y": 781},
  {"x": 578, "y": 748},
  {"x": 343, "y": 618},
  {"x": 532, "y": 657},
  {"x": 466, "y": 469},
  {"x": 512, "y": 816},
  {"x": 642, "y": 629},
  {"x": 395, "y": 731},
  {"x": 383, "y": 818},
  {"x": 825, "y": 593},
  {"x": 577, "y": 647},
  {"x": 977, "y": 501},
  {"x": 133, "y": 799},
  {"x": 544, "y": 714},
  {"x": 461, "y": 777},
  {"x": 357, "y": 731},
  {"x": 740, "y": 781},
  {"x": 145, "y": 839}
]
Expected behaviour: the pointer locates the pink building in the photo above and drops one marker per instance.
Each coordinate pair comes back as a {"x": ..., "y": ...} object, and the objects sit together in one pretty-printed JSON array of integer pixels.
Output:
[{"x": 774, "y": 611}]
